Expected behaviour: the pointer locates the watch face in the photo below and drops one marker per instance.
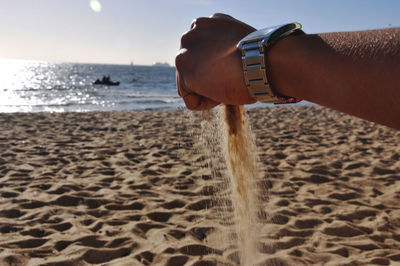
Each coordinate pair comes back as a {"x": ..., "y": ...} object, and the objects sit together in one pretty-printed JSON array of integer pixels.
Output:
[
  {"x": 265, "y": 33},
  {"x": 260, "y": 34}
]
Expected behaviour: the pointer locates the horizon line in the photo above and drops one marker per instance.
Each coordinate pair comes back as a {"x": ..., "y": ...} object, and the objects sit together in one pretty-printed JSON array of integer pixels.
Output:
[{"x": 82, "y": 62}]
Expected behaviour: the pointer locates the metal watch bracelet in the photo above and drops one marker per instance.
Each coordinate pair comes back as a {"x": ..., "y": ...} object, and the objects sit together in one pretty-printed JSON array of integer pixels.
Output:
[
  {"x": 253, "y": 48},
  {"x": 255, "y": 74}
]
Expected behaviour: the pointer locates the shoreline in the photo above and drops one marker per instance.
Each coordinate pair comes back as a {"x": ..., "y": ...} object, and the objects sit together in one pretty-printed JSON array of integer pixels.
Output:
[{"x": 178, "y": 108}]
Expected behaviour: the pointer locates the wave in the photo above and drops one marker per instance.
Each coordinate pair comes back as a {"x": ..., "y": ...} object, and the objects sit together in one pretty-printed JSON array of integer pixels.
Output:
[
  {"x": 151, "y": 96},
  {"x": 150, "y": 101}
]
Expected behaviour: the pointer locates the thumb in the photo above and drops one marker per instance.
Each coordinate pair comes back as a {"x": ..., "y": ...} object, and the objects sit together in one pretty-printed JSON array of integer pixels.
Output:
[{"x": 192, "y": 100}]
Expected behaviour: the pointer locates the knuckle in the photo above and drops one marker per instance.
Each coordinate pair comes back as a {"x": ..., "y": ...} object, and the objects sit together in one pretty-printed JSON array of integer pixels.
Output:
[
  {"x": 193, "y": 23},
  {"x": 220, "y": 15},
  {"x": 215, "y": 15},
  {"x": 195, "y": 30},
  {"x": 199, "y": 22},
  {"x": 180, "y": 60},
  {"x": 188, "y": 37}
]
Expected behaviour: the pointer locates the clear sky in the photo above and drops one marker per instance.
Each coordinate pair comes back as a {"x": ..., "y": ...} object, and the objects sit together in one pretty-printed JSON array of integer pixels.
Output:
[{"x": 147, "y": 31}]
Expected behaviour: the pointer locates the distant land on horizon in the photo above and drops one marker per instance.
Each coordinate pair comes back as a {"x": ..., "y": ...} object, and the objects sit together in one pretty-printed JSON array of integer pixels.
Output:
[
  {"x": 163, "y": 64},
  {"x": 158, "y": 64}
]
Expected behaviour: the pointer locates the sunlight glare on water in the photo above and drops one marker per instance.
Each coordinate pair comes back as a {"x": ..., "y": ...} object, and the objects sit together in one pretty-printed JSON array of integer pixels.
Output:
[{"x": 13, "y": 75}]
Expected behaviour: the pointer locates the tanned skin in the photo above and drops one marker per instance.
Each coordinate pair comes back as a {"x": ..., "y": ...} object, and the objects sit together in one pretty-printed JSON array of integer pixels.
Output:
[{"x": 354, "y": 72}]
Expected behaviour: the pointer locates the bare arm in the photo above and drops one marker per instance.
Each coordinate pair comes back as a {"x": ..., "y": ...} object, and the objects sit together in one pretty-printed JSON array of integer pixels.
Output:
[{"x": 353, "y": 72}]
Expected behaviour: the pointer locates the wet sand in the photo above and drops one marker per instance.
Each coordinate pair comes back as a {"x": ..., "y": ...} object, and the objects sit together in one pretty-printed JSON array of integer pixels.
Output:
[{"x": 129, "y": 188}]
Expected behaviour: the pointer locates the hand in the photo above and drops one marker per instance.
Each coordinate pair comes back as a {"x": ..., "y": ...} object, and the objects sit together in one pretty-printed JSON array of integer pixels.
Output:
[{"x": 209, "y": 66}]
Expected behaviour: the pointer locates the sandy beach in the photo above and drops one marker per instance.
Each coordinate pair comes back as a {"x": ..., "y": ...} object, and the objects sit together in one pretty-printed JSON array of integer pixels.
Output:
[{"x": 133, "y": 188}]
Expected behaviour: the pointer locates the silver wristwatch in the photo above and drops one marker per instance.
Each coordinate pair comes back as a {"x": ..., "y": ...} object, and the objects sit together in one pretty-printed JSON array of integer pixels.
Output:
[{"x": 253, "y": 48}]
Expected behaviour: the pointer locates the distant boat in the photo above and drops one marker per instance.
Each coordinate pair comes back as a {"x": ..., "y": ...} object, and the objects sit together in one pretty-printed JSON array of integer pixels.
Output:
[
  {"x": 161, "y": 64},
  {"x": 106, "y": 81}
]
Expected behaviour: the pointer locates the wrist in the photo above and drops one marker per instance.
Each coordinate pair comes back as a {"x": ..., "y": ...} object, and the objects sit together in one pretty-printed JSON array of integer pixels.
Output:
[
  {"x": 283, "y": 67},
  {"x": 236, "y": 91}
]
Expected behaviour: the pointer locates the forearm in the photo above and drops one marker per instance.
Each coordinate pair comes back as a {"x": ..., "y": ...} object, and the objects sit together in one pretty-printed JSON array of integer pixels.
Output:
[{"x": 354, "y": 72}]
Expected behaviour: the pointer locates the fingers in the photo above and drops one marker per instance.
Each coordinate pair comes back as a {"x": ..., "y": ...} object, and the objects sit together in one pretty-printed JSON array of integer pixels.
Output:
[
  {"x": 205, "y": 104},
  {"x": 177, "y": 84},
  {"x": 181, "y": 59},
  {"x": 191, "y": 99},
  {"x": 196, "y": 102},
  {"x": 206, "y": 35}
]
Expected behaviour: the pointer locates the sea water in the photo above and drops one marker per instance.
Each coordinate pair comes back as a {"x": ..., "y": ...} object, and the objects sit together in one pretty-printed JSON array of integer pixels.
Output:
[{"x": 39, "y": 86}]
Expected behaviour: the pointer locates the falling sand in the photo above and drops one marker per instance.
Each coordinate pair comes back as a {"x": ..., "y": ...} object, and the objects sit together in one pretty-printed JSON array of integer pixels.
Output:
[
  {"x": 240, "y": 154},
  {"x": 228, "y": 141}
]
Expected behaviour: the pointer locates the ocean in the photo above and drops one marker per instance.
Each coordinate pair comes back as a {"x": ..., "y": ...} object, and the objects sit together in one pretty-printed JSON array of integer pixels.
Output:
[{"x": 39, "y": 86}]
